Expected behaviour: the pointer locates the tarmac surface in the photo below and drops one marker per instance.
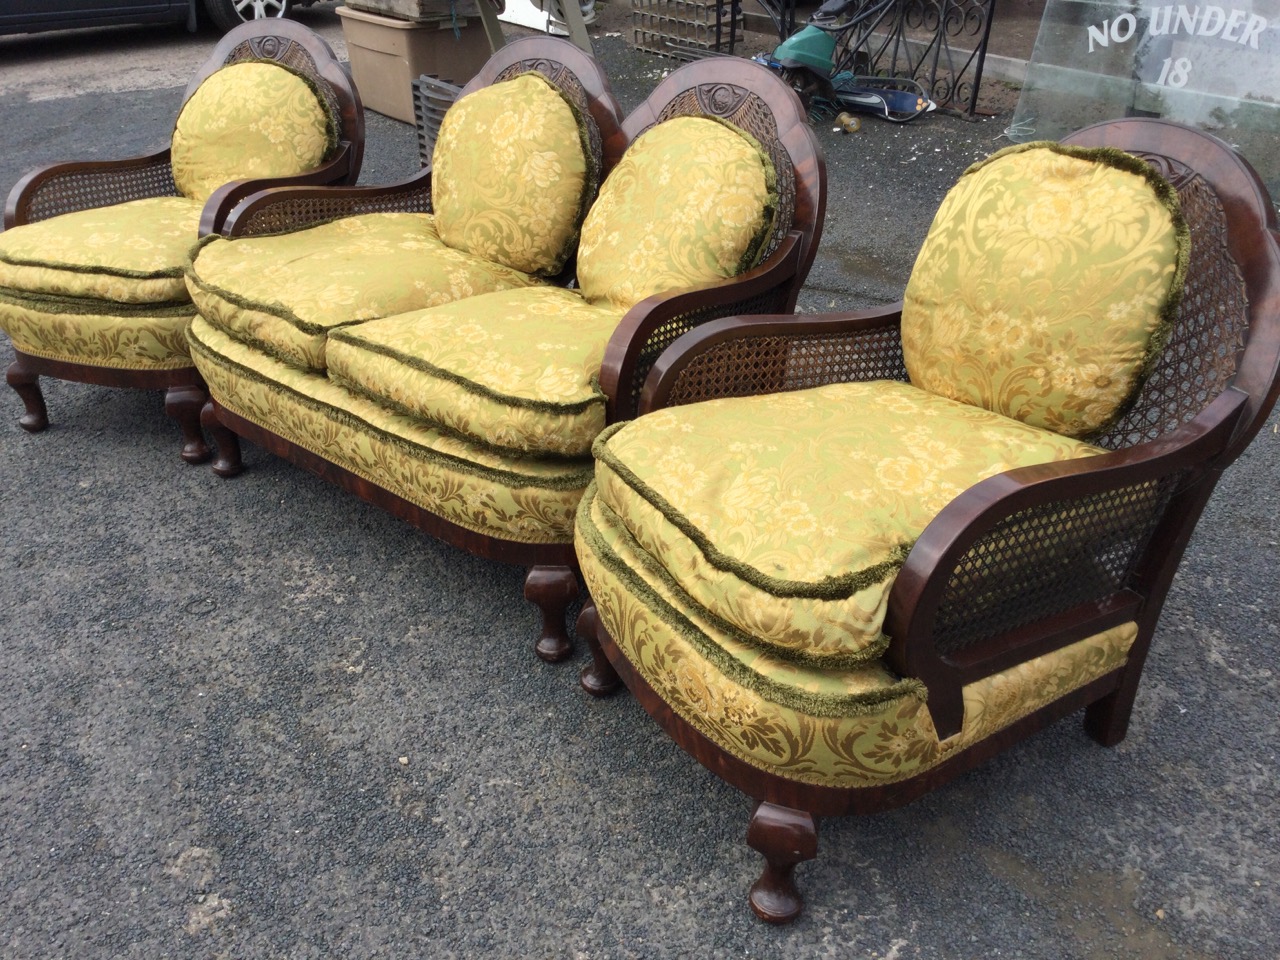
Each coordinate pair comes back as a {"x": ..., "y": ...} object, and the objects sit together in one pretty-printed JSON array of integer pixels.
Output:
[{"x": 259, "y": 718}]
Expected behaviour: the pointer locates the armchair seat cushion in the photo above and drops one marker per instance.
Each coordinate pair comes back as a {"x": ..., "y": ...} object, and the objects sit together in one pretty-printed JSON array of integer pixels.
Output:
[
  {"x": 515, "y": 370},
  {"x": 790, "y": 515},
  {"x": 835, "y": 726},
  {"x": 130, "y": 253},
  {"x": 525, "y": 499},
  {"x": 284, "y": 293}
]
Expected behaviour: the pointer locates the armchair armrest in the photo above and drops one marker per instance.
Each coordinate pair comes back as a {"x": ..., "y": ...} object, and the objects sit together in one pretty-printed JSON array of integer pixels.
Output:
[
  {"x": 748, "y": 356},
  {"x": 68, "y": 187},
  {"x": 281, "y": 209},
  {"x": 339, "y": 169},
  {"x": 1034, "y": 559},
  {"x": 651, "y": 325}
]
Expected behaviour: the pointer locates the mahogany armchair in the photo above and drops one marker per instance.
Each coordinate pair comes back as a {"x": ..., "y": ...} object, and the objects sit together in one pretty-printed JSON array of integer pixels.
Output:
[
  {"x": 91, "y": 257},
  {"x": 754, "y": 581}
]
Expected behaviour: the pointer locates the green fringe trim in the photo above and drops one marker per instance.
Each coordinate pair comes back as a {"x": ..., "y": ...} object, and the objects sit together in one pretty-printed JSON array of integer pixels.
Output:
[
  {"x": 569, "y": 481},
  {"x": 850, "y": 659},
  {"x": 494, "y": 448},
  {"x": 272, "y": 309},
  {"x": 423, "y": 366},
  {"x": 828, "y": 588},
  {"x": 86, "y": 306},
  {"x": 813, "y": 704},
  {"x": 168, "y": 273},
  {"x": 1167, "y": 195}
]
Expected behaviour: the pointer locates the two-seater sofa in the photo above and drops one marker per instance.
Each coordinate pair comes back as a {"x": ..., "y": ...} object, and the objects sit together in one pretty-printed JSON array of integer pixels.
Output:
[{"x": 436, "y": 362}]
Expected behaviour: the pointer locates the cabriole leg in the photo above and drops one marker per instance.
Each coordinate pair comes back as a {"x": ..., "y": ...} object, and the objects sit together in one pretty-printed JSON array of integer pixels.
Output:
[
  {"x": 784, "y": 837},
  {"x": 552, "y": 589},
  {"x": 226, "y": 462},
  {"x": 26, "y": 383},
  {"x": 183, "y": 404},
  {"x": 598, "y": 677}
]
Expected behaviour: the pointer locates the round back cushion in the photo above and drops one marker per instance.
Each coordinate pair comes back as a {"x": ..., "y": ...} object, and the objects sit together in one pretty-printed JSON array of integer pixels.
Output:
[
  {"x": 250, "y": 119},
  {"x": 1046, "y": 285},
  {"x": 512, "y": 175},
  {"x": 692, "y": 201}
]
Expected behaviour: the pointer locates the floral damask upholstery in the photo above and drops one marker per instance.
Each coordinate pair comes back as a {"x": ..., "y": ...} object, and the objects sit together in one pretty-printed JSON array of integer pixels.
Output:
[
  {"x": 248, "y": 120},
  {"x": 513, "y": 174},
  {"x": 834, "y": 726},
  {"x": 515, "y": 370},
  {"x": 691, "y": 202},
  {"x": 529, "y": 500},
  {"x": 1045, "y": 285},
  {"x": 511, "y": 179},
  {"x": 786, "y": 517},
  {"x": 284, "y": 293}
]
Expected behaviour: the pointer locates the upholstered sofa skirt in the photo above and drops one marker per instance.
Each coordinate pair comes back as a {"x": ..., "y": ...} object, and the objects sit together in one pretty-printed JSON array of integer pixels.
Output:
[
  {"x": 831, "y": 727},
  {"x": 521, "y": 499}
]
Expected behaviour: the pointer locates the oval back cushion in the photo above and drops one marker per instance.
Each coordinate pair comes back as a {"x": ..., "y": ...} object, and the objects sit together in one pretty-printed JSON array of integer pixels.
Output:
[
  {"x": 512, "y": 175},
  {"x": 249, "y": 119},
  {"x": 1046, "y": 285},
  {"x": 692, "y": 201}
]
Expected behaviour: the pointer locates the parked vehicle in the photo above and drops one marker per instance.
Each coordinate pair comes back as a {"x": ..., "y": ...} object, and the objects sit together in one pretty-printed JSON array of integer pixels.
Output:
[{"x": 31, "y": 16}]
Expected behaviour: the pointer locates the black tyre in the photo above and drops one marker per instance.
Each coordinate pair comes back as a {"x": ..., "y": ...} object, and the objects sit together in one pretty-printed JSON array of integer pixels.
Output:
[{"x": 227, "y": 14}]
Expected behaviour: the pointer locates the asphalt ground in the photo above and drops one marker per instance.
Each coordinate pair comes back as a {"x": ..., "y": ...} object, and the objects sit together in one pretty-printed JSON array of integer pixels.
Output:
[{"x": 259, "y": 718}]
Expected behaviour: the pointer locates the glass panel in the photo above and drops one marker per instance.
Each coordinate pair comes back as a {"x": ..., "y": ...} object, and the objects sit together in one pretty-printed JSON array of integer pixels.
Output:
[{"x": 1216, "y": 67}]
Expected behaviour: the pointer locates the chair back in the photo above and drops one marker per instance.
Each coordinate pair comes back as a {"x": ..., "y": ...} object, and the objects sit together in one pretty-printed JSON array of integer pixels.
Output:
[{"x": 302, "y": 52}]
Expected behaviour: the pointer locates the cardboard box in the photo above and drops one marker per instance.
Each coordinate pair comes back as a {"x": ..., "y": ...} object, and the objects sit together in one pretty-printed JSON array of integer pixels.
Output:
[
  {"x": 420, "y": 9},
  {"x": 388, "y": 54}
]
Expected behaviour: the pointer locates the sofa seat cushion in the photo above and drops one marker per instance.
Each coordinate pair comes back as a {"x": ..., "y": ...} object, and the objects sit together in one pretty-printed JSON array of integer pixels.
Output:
[
  {"x": 515, "y": 370},
  {"x": 692, "y": 201},
  {"x": 247, "y": 120},
  {"x": 1047, "y": 285},
  {"x": 836, "y": 726},
  {"x": 284, "y": 293},
  {"x": 788, "y": 516},
  {"x": 527, "y": 500},
  {"x": 129, "y": 253},
  {"x": 513, "y": 173}
]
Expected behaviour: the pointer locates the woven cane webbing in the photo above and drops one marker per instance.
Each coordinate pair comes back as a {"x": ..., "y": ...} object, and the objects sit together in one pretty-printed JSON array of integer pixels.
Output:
[
  {"x": 1204, "y": 344},
  {"x": 296, "y": 213},
  {"x": 1048, "y": 560},
  {"x": 103, "y": 187}
]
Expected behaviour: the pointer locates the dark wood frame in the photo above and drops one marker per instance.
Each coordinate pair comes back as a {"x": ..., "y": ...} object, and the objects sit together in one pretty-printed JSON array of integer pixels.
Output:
[
  {"x": 1189, "y": 456},
  {"x": 723, "y": 87},
  {"x": 67, "y": 187}
]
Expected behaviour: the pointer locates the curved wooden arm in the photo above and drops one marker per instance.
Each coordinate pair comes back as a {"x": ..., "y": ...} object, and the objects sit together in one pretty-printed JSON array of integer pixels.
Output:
[
  {"x": 279, "y": 209},
  {"x": 1164, "y": 484},
  {"x": 82, "y": 185},
  {"x": 658, "y": 320},
  {"x": 748, "y": 356},
  {"x": 223, "y": 200}
]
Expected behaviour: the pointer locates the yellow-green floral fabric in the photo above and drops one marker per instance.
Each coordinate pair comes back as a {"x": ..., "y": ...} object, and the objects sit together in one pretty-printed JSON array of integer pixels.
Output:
[
  {"x": 527, "y": 500},
  {"x": 1041, "y": 284},
  {"x": 692, "y": 201},
  {"x": 515, "y": 370},
  {"x": 127, "y": 253},
  {"x": 98, "y": 333},
  {"x": 250, "y": 119},
  {"x": 789, "y": 515},
  {"x": 511, "y": 175},
  {"x": 840, "y": 727},
  {"x": 284, "y": 293}
]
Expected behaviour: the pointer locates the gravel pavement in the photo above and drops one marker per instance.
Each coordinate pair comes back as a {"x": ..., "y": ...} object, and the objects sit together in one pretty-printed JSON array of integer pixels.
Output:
[{"x": 259, "y": 718}]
